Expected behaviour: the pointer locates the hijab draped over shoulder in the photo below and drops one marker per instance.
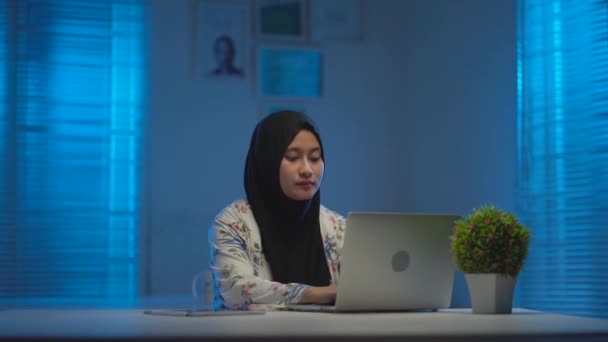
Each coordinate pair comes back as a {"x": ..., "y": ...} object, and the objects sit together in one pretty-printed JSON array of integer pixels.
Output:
[{"x": 290, "y": 229}]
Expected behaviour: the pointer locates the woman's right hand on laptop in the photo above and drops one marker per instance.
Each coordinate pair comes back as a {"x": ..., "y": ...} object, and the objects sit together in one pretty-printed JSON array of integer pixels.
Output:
[{"x": 319, "y": 295}]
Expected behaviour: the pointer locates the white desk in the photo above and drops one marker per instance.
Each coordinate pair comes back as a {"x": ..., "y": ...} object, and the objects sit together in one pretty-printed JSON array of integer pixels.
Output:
[{"x": 445, "y": 325}]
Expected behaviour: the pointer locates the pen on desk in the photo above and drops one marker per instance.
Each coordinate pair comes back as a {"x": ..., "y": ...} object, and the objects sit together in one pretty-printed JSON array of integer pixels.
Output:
[
  {"x": 224, "y": 313},
  {"x": 178, "y": 313},
  {"x": 190, "y": 313}
]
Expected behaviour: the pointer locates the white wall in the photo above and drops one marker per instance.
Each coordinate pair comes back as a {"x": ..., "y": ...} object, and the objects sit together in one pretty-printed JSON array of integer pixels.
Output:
[
  {"x": 420, "y": 116},
  {"x": 457, "y": 125}
]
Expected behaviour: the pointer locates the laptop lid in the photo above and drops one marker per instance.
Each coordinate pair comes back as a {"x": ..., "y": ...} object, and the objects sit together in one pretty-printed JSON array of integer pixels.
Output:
[{"x": 395, "y": 261}]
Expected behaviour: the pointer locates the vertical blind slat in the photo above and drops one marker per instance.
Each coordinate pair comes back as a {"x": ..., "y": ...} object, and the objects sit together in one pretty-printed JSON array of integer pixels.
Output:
[
  {"x": 562, "y": 139},
  {"x": 69, "y": 222}
]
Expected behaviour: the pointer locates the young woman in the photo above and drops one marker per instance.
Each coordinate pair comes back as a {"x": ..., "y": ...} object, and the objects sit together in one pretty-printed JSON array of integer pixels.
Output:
[{"x": 280, "y": 245}]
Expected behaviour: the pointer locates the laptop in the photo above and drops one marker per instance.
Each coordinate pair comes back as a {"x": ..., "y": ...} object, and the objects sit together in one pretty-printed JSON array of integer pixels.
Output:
[{"x": 393, "y": 262}]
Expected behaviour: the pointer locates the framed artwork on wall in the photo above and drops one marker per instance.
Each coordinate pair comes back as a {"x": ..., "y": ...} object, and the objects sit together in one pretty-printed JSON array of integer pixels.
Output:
[
  {"x": 336, "y": 20},
  {"x": 288, "y": 72},
  {"x": 284, "y": 20},
  {"x": 220, "y": 39}
]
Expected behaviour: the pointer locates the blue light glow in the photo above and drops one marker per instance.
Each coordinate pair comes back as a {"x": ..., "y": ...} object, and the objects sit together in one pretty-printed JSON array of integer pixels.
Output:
[
  {"x": 77, "y": 125},
  {"x": 562, "y": 178}
]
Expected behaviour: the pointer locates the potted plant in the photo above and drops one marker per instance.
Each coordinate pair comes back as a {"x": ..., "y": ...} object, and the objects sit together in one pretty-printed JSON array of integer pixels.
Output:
[{"x": 490, "y": 247}]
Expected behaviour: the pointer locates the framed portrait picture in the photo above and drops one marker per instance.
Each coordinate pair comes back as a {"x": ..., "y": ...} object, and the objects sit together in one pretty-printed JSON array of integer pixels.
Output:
[
  {"x": 220, "y": 39},
  {"x": 288, "y": 72},
  {"x": 285, "y": 20}
]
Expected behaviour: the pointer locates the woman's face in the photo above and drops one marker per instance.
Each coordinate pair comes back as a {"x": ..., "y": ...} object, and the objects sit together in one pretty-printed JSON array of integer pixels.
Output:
[{"x": 302, "y": 168}]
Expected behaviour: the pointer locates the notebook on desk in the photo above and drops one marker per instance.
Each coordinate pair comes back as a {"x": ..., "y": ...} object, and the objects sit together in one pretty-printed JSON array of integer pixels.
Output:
[{"x": 393, "y": 262}]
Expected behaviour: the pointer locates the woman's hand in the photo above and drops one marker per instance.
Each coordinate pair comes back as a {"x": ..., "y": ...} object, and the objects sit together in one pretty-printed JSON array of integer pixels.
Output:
[{"x": 319, "y": 295}]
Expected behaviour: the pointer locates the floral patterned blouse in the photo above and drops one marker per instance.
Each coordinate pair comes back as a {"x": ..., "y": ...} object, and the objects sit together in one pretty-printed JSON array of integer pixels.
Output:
[{"x": 241, "y": 276}]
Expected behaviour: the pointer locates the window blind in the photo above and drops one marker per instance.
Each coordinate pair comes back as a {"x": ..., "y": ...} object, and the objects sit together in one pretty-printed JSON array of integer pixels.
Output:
[
  {"x": 563, "y": 154},
  {"x": 70, "y": 125}
]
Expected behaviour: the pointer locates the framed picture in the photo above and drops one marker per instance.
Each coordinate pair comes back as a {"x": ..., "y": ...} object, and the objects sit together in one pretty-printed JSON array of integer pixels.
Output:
[
  {"x": 220, "y": 39},
  {"x": 336, "y": 20},
  {"x": 288, "y": 72},
  {"x": 270, "y": 107},
  {"x": 285, "y": 20}
]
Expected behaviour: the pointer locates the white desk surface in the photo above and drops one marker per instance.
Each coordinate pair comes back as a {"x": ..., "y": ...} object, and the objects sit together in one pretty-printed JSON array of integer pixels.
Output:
[{"x": 451, "y": 325}]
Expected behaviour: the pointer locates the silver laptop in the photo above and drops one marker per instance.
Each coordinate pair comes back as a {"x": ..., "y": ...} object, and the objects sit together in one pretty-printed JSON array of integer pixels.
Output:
[{"x": 393, "y": 262}]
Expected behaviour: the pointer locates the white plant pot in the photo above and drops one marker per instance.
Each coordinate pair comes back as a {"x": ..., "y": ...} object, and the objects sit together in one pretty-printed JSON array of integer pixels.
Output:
[{"x": 491, "y": 293}]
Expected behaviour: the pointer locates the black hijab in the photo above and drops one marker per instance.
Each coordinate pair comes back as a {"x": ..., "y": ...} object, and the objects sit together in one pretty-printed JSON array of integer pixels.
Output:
[{"x": 290, "y": 229}]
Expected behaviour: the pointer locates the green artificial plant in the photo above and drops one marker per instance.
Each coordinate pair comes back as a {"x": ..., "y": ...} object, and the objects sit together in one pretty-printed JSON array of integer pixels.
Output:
[{"x": 490, "y": 240}]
